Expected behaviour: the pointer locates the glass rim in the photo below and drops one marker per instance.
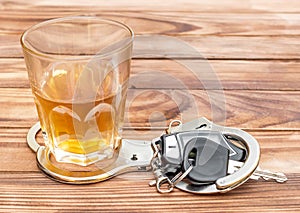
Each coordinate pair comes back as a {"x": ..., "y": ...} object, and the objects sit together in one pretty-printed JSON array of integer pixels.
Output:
[{"x": 75, "y": 58}]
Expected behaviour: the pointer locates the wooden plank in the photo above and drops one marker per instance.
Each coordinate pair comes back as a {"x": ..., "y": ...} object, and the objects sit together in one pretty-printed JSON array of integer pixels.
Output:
[
  {"x": 170, "y": 23},
  {"x": 33, "y": 192},
  {"x": 10, "y": 46},
  {"x": 231, "y": 74},
  {"x": 280, "y": 150},
  {"x": 253, "y": 6},
  {"x": 224, "y": 47},
  {"x": 151, "y": 74},
  {"x": 211, "y": 47},
  {"x": 243, "y": 109},
  {"x": 15, "y": 136},
  {"x": 205, "y": 32},
  {"x": 13, "y": 73}
]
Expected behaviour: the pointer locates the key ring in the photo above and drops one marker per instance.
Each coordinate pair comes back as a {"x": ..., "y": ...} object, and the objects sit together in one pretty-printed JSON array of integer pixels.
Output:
[{"x": 228, "y": 182}]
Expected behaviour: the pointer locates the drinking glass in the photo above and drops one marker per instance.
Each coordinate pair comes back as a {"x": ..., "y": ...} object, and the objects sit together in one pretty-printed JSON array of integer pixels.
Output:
[{"x": 78, "y": 69}]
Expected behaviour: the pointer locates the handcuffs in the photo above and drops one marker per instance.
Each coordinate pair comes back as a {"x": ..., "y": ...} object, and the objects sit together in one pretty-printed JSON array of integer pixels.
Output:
[{"x": 198, "y": 157}]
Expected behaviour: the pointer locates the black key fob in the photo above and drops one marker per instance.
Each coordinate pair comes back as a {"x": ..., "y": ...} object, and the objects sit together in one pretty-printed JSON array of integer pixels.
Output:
[
  {"x": 174, "y": 148},
  {"x": 209, "y": 160}
]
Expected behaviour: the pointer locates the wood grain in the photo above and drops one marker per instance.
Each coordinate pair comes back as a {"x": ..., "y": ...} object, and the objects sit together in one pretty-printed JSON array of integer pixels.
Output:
[
  {"x": 210, "y": 47},
  {"x": 232, "y": 47},
  {"x": 249, "y": 109},
  {"x": 247, "y": 6},
  {"x": 214, "y": 36},
  {"x": 136, "y": 196},
  {"x": 253, "y": 49},
  {"x": 232, "y": 74},
  {"x": 169, "y": 23},
  {"x": 24, "y": 185},
  {"x": 279, "y": 149}
]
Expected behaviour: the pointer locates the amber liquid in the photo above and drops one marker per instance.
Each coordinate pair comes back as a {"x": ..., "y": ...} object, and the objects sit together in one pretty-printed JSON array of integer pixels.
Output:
[{"x": 81, "y": 121}]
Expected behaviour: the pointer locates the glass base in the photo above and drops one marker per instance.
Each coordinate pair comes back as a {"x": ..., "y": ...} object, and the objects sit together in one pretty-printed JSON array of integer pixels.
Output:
[
  {"x": 133, "y": 155},
  {"x": 81, "y": 159},
  {"x": 74, "y": 174}
]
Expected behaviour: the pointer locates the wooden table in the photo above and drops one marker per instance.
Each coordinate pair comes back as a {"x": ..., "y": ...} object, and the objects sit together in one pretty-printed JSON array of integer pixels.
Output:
[{"x": 254, "y": 49}]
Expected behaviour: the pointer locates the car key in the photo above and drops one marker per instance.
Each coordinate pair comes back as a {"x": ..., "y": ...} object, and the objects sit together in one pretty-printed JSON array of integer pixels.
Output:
[
  {"x": 258, "y": 173},
  {"x": 172, "y": 147},
  {"x": 203, "y": 158},
  {"x": 208, "y": 158}
]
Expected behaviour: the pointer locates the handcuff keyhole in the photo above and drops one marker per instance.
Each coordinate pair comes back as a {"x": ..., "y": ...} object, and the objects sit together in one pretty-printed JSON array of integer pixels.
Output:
[
  {"x": 134, "y": 157},
  {"x": 201, "y": 126}
]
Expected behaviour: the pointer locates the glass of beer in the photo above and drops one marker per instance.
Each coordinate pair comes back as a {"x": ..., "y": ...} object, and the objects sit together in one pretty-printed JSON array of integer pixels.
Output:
[{"x": 78, "y": 69}]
